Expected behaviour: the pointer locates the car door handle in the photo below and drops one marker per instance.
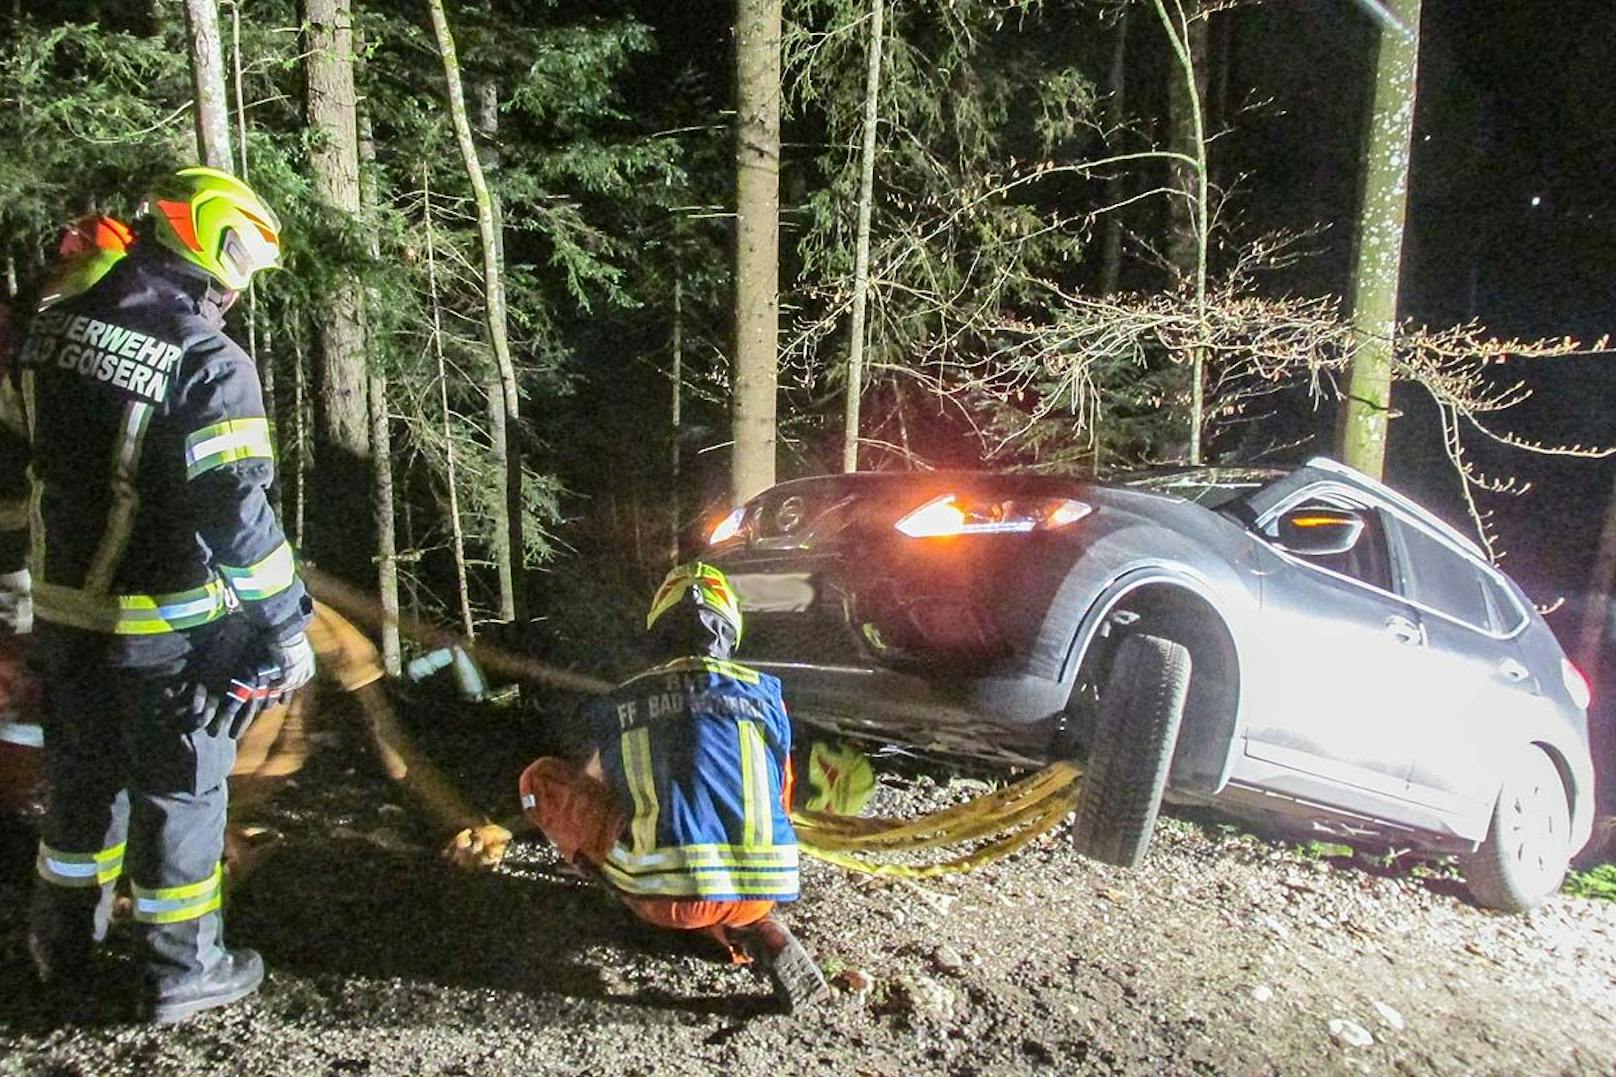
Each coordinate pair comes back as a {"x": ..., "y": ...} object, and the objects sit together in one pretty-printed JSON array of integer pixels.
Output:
[
  {"x": 1404, "y": 630},
  {"x": 1513, "y": 669}
]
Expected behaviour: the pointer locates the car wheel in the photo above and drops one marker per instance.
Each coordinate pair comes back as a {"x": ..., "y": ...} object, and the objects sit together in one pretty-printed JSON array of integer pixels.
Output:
[
  {"x": 1527, "y": 849},
  {"x": 1132, "y": 749}
]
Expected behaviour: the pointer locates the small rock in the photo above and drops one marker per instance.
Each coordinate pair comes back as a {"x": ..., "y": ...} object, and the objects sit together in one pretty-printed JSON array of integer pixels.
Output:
[
  {"x": 1350, "y": 1033},
  {"x": 948, "y": 960},
  {"x": 855, "y": 982},
  {"x": 1262, "y": 993},
  {"x": 1390, "y": 1016},
  {"x": 391, "y": 811},
  {"x": 923, "y": 996}
]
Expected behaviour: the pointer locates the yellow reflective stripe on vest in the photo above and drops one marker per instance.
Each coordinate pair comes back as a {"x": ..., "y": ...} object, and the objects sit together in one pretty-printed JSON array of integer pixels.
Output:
[
  {"x": 125, "y": 498},
  {"x": 703, "y": 882},
  {"x": 636, "y": 747},
  {"x": 225, "y": 443},
  {"x": 131, "y": 615},
  {"x": 758, "y": 813},
  {"x": 263, "y": 579},
  {"x": 79, "y": 869},
  {"x": 700, "y": 856},
  {"x": 174, "y": 904},
  {"x": 697, "y": 663}
]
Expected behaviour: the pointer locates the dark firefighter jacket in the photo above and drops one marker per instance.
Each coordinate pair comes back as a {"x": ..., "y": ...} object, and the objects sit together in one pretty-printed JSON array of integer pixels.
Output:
[{"x": 142, "y": 429}]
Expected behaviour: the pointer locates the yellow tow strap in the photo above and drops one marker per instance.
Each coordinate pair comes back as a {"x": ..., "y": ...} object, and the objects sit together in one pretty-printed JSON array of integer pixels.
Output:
[{"x": 1019, "y": 813}]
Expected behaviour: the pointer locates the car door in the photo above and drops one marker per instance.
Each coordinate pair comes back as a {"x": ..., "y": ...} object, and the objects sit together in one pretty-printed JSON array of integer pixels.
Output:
[
  {"x": 1471, "y": 621},
  {"x": 1339, "y": 644}
]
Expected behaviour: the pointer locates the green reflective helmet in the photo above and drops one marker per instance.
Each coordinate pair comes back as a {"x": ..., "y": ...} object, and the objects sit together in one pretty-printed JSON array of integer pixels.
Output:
[
  {"x": 216, "y": 222},
  {"x": 697, "y": 603}
]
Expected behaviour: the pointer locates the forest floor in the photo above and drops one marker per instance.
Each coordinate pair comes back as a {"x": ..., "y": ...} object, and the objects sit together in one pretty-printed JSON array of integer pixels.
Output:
[{"x": 1224, "y": 953}]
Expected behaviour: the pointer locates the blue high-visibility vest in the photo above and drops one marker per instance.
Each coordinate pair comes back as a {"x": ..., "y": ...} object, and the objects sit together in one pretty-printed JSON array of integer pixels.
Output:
[{"x": 696, "y": 752}]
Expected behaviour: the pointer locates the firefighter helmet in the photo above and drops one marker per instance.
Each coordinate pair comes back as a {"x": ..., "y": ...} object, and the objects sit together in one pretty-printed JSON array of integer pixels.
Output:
[
  {"x": 697, "y": 601},
  {"x": 88, "y": 250},
  {"x": 215, "y": 221}
]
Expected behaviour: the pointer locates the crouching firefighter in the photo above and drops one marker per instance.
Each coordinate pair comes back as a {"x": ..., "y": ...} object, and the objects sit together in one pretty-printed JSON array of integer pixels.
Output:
[
  {"x": 134, "y": 461},
  {"x": 681, "y": 807}
]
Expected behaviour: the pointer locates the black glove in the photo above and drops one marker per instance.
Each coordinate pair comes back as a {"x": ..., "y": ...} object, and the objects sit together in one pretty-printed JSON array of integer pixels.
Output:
[{"x": 234, "y": 709}]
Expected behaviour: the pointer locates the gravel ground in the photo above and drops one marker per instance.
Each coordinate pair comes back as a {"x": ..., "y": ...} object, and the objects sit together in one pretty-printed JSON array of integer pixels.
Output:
[{"x": 1223, "y": 954}]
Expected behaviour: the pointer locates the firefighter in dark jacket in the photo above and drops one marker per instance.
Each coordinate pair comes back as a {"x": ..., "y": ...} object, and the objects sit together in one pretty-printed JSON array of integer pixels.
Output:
[{"x": 134, "y": 459}]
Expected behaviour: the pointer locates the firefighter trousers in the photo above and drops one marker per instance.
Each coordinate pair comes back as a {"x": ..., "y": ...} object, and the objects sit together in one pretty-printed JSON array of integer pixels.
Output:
[{"x": 132, "y": 789}]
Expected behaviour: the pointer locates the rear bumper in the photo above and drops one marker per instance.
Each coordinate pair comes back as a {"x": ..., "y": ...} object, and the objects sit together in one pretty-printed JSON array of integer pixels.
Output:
[{"x": 1011, "y": 719}]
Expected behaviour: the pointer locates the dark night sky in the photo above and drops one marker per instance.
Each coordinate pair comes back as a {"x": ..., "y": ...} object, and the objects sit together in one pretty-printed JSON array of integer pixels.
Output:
[{"x": 1512, "y": 220}]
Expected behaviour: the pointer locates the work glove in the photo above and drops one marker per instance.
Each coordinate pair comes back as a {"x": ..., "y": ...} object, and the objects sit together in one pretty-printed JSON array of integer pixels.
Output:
[
  {"x": 478, "y": 847},
  {"x": 16, "y": 603},
  {"x": 282, "y": 667}
]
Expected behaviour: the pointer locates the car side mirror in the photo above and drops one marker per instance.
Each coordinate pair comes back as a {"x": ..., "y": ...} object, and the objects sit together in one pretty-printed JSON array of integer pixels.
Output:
[{"x": 1316, "y": 532}]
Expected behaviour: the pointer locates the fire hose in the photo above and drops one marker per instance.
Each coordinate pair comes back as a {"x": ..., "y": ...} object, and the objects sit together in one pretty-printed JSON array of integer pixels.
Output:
[{"x": 1003, "y": 821}]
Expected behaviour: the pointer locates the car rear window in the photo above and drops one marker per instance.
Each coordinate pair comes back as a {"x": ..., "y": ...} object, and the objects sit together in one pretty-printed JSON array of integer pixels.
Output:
[{"x": 1445, "y": 580}]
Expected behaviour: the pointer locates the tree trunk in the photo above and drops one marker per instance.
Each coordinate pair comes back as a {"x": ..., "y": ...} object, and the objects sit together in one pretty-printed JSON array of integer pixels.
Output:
[
  {"x": 757, "y": 244},
  {"x": 1115, "y": 113},
  {"x": 381, "y": 441},
  {"x": 861, "y": 250},
  {"x": 487, "y": 123},
  {"x": 457, "y": 544},
  {"x": 676, "y": 418},
  {"x": 212, "y": 111},
  {"x": 342, "y": 418},
  {"x": 1590, "y": 644},
  {"x": 494, "y": 287},
  {"x": 264, "y": 363},
  {"x": 1188, "y": 208},
  {"x": 1379, "y": 263}
]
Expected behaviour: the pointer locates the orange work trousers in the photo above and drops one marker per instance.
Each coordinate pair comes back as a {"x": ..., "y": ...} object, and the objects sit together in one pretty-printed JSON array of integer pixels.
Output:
[{"x": 579, "y": 815}]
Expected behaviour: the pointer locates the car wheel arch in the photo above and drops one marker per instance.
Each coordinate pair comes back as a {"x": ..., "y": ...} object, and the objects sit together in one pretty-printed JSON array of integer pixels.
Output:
[{"x": 1179, "y": 607}]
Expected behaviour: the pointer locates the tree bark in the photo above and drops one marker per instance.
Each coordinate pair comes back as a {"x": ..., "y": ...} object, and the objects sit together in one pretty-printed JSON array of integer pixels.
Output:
[
  {"x": 757, "y": 244},
  {"x": 212, "y": 111},
  {"x": 381, "y": 441},
  {"x": 1189, "y": 208},
  {"x": 457, "y": 544},
  {"x": 342, "y": 417},
  {"x": 494, "y": 287},
  {"x": 1115, "y": 113},
  {"x": 264, "y": 363},
  {"x": 676, "y": 417},
  {"x": 861, "y": 250},
  {"x": 1379, "y": 262},
  {"x": 486, "y": 121}
]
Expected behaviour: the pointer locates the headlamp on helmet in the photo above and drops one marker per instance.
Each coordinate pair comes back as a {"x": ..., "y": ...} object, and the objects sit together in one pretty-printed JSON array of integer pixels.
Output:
[{"x": 215, "y": 221}]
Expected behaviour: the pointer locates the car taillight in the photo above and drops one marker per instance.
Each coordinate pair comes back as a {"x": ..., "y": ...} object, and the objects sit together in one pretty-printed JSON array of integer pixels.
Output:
[
  {"x": 962, "y": 514},
  {"x": 728, "y": 527},
  {"x": 1576, "y": 684}
]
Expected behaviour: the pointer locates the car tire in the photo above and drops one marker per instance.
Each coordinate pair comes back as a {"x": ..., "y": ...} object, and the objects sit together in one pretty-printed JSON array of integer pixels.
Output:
[
  {"x": 1132, "y": 750},
  {"x": 1528, "y": 846}
]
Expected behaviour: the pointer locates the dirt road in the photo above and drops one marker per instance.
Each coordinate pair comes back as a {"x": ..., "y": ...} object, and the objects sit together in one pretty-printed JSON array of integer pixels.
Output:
[{"x": 1223, "y": 954}]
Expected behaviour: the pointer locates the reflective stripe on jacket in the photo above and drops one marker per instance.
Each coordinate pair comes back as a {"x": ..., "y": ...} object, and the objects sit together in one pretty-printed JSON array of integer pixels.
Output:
[
  {"x": 696, "y": 751},
  {"x": 145, "y": 508}
]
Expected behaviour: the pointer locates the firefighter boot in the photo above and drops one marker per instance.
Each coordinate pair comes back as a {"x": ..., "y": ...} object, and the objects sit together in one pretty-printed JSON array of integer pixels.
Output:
[
  {"x": 795, "y": 975},
  {"x": 191, "y": 971},
  {"x": 65, "y": 924}
]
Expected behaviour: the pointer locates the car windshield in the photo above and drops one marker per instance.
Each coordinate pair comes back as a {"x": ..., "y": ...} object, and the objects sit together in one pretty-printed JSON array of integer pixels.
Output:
[{"x": 1210, "y": 487}]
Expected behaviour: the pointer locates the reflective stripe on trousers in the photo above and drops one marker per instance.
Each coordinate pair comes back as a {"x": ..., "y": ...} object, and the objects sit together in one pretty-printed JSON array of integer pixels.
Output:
[
  {"x": 173, "y": 904},
  {"x": 75, "y": 870}
]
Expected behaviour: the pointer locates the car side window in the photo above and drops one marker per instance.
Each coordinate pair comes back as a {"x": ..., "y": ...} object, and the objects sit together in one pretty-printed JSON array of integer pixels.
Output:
[
  {"x": 1367, "y": 561},
  {"x": 1445, "y": 580}
]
